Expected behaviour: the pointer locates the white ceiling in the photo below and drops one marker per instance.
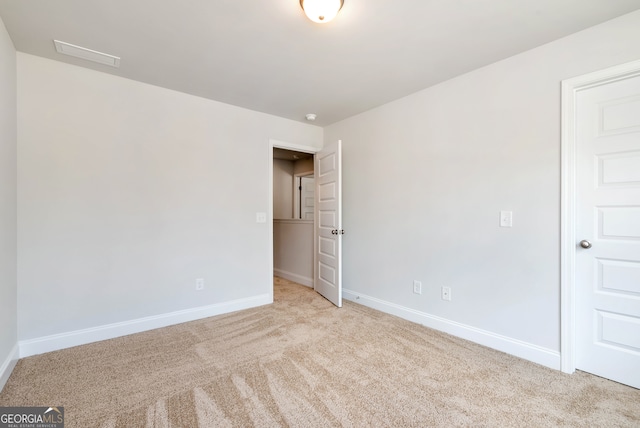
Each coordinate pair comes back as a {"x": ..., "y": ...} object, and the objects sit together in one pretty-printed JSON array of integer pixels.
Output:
[{"x": 265, "y": 55}]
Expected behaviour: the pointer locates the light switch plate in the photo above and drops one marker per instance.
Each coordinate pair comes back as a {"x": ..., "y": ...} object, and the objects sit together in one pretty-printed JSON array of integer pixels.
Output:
[
  {"x": 506, "y": 218},
  {"x": 261, "y": 217}
]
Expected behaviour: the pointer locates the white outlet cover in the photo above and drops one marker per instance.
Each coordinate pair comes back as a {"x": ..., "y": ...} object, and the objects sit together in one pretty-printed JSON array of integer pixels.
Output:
[
  {"x": 417, "y": 287},
  {"x": 261, "y": 217}
]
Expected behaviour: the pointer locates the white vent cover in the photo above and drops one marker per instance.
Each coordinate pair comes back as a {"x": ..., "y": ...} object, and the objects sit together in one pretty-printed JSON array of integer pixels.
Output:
[{"x": 88, "y": 54}]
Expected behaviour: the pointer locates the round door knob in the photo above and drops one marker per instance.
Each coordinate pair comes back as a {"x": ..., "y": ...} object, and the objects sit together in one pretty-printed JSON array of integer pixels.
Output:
[{"x": 585, "y": 244}]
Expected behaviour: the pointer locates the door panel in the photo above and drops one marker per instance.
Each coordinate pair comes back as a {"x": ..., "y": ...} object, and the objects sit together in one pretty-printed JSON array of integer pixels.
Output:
[
  {"x": 619, "y": 276},
  {"x": 328, "y": 172},
  {"x": 608, "y": 216},
  {"x": 619, "y": 222},
  {"x": 619, "y": 331},
  {"x": 620, "y": 169}
]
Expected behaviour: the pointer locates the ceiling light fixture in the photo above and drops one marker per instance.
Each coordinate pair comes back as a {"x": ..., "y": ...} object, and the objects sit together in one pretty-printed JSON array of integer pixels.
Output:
[{"x": 321, "y": 11}]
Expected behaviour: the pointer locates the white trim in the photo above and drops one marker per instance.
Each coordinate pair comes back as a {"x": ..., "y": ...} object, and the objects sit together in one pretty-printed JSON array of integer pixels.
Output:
[
  {"x": 291, "y": 146},
  {"x": 81, "y": 337},
  {"x": 288, "y": 146},
  {"x": 7, "y": 366},
  {"x": 570, "y": 88},
  {"x": 303, "y": 280},
  {"x": 518, "y": 348}
]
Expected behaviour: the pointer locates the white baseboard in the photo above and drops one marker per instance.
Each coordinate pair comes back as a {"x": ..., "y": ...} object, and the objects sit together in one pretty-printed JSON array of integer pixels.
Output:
[
  {"x": 518, "y": 348},
  {"x": 7, "y": 366},
  {"x": 303, "y": 280},
  {"x": 55, "y": 342}
]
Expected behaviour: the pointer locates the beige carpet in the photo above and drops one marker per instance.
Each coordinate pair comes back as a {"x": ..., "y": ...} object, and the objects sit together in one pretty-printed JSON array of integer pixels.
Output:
[{"x": 303, "y": 363}]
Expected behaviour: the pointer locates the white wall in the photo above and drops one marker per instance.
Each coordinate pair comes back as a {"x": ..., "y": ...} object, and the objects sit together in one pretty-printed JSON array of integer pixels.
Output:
[
  {"x": 129, "y": 192},
  {"x": 426, "y": 176},
  {"x": 8, "y": 138},
  {"x": 282, "y": 189}
]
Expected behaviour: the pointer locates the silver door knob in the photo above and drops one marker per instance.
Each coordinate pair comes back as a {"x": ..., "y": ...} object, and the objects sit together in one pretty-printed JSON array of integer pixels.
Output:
[{"x": 585, "y": 244}]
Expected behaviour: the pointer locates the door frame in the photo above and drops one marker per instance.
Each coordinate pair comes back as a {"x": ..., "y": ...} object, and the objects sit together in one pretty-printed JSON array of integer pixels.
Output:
[
  {"x": 298, "y": 148},
  {"x": 568, "y": 211}
]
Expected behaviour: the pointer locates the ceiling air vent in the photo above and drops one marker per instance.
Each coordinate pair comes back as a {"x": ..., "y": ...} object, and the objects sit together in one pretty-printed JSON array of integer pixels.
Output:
[{"x": 88, "y": 54}]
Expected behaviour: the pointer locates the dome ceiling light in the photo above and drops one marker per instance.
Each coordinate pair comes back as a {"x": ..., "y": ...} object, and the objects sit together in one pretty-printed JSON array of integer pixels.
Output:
[{"x": 321, "y": 11}]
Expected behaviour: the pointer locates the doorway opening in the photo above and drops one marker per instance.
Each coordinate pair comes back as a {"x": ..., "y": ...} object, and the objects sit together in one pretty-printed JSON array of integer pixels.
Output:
[{"x": 293, "y": 224}]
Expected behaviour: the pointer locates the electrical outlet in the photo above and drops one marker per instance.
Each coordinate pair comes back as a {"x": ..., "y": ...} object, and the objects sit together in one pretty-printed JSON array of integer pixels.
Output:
[
  {"x": 446, "y": 293},
  {"x": 199, "y": 284},
  {"x": 417, "y": 287}
]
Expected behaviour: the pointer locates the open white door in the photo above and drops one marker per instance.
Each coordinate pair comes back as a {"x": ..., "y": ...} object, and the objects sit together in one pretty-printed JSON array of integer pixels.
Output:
[
  {"x": 608, "y": 225},
  {"x": 328, "y": 270}
]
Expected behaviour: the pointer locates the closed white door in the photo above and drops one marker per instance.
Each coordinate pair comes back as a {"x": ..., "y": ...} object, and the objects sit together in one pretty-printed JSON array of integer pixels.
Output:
[
  {"x": 328, "y": 271},
  {"x": 608, "y": 231}
]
